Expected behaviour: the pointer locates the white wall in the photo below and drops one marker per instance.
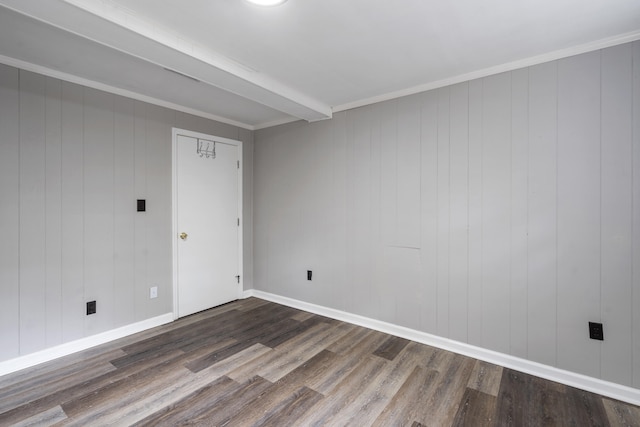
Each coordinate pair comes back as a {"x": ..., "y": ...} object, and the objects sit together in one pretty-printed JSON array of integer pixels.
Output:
[
  {"x": 73, "y": 161},
  {"x": 502, "y": 212}
]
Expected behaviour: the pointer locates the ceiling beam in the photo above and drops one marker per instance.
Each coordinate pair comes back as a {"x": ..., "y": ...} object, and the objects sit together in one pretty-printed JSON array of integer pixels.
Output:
[{"x": 114, "y": 28}]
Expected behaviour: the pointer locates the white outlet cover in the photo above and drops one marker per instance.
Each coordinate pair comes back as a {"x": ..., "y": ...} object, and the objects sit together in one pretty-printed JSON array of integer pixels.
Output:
[{"x": 153, "y": 292}]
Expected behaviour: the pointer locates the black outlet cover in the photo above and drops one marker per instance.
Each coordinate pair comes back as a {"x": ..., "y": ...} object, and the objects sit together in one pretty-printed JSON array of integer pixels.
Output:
[
  {"x": 309, "y": 274},
  {"x": 91, "y": 307},
  {"x": 596, "y": 331},
  {"x": 142, "y": 205}
]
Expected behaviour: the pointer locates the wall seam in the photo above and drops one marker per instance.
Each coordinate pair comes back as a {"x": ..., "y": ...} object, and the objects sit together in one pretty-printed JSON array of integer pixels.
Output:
[
  {"x": 557, "y": 95},
  {"x": 19, "y": 210},
  {"x": 600, "y": 312}
]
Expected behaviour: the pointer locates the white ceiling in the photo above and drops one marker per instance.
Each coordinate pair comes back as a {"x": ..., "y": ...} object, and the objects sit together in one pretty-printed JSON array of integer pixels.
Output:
[{"x": 256, "y": 66}]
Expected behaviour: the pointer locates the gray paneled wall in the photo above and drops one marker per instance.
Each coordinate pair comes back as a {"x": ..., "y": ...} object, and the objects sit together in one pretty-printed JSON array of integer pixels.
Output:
[
  {"x": 73, "y": 161},
  {"x": 503, "y": 212}
]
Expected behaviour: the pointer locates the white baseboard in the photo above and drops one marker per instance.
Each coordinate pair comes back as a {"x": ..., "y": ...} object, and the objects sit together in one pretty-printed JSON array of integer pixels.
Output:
[
  {"x": 66, "y": 349},
  {"x": 595, "y": 385}
]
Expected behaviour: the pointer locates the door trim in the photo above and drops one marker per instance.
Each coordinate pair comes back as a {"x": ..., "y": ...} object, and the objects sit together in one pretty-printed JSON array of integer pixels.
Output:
[{"x": 175, "y": 132}]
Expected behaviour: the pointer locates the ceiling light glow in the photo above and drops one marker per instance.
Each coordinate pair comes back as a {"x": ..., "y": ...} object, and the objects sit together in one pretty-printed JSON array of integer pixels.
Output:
[{"x": 267, "y": 2}]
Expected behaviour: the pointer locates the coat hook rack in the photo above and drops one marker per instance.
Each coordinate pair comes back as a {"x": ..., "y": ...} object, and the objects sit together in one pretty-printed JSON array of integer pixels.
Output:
[{"x": 206, "y": 148}]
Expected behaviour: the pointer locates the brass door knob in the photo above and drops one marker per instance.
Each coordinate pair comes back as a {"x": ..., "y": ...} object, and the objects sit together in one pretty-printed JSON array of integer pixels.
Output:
[{"x": 183, "y": 235}]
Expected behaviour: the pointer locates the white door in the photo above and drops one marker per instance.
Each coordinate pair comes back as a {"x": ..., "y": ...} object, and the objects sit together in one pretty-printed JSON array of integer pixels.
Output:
[{"x": 207, "y": 233}]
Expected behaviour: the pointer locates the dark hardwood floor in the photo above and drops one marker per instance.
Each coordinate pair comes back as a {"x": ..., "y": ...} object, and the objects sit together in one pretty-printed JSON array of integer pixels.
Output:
[{"x": 253, "y": 362}]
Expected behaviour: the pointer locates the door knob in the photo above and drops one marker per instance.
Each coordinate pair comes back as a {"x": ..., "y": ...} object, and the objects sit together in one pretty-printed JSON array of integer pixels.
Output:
[{"x": 183, "y": 235}]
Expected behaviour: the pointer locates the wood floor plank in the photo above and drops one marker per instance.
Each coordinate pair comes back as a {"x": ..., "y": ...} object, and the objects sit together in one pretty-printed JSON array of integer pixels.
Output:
[
  {"x": 335, "y": 408},
  {"x": 302, "y": 316},
  {"x": 486, "y": 377},
  {"x": 188, "y": 386},
  {"x": 254, "y": 362},
  {"x": 512, "y": 399},
  {"x": 542, "y": 406},
  {"x": 442, "y": 405},
  {"x": 250, "y": 303},
  {"x": 527, "y": 399},
  {"x": 404, "y": 406},
  {"x": 620, "y": 414},
  {"x": 324, "y": 382},
  {"x": 391, "y": 347},
  {"x": 73, "y": 391},
  {"x": 371, "y": 402},
  {"x": 475, "y": 409},
  {"x": 181, "y": 337},
  {"x": 238, "y": 402},
  {"x": 289, "y": 410},
  {"x": 280, "y": 336},
  {"x": 286, "y": 357},
  {"x": 355, "y": 337},
  {"x": 281, "y": 390},
  {"x": 54, "y": 370},
  {"x": 585, "y": 409},
  {"x": 111, "y": 396},
  {"x": 29, "y": 391},
  {"x": 191, "y": 405},
  {"x": 295, "y": 355},
  {"x": 50, "y": 417}
]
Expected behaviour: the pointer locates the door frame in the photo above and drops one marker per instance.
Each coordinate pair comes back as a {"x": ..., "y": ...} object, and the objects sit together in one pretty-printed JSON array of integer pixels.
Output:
[{"x": 175, "y": 132}]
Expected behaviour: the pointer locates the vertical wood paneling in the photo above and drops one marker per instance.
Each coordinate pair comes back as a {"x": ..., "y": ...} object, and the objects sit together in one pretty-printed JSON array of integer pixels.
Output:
[
  {"x": 32, "y": 213},
  {"x": 338, "y": 272},
  {"x": 579, "y": 219},
  {"x": 317, "y": 223},
  {"x": 406, "y": 273},
  {"x": 377, "y": 287},
  {"x": 360, "y": 226},
  {"x": 98, "y": 208},
  {"x": 408, "y": 172},
  {"x": 542, "y": 194},
  {"x": 9, "y": 212},
  {"x": 246, "y": 136},
  {"x": 444, "y": 212},
  {"x": 349, "y": 299},
  {"x": 475, "y": 320},
  {"x": 510, "y": 204},
  {"x": 140, "y": 220},
  {"x": 496, "y": 215},
  {"x": 459, "y": 203},
  {"x": 124, "y": 212},
  {"x": 72, "y": 162},
  {"x": 292, "y": 255},
  {"x": 262, "y": 216},
  {"x": 389, "y": 203},
  {"x": 429, "y": 208},
  {"x": 635, "y": 252},
  {"x": 158, "y": 152},
  {"x": 53, "y": 209},
  {"x": 389, "y": 172},
  {"x": 617, "y": 205},
  {"x": 284, "y": 216},
  {"x": 308, "y": 169},
  {"x": 519, "y": 202},
  {"x": 73, "y": 310}
]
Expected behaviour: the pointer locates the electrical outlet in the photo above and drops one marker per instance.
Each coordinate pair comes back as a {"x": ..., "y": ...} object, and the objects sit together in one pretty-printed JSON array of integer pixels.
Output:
[
  {"x": 309, "y": 272},
  {"x": 153, "y": 292},
  {"x": 91, "y": 307},
  {"x": 596, "y": 332}
]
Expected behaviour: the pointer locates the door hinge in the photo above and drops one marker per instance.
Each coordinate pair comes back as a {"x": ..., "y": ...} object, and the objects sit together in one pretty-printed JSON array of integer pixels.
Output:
[{"x": 238, "y": 277}]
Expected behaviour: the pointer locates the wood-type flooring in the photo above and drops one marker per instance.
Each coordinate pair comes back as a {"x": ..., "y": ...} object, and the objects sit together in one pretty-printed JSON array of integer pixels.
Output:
[{"x": 256, "y": 363}]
